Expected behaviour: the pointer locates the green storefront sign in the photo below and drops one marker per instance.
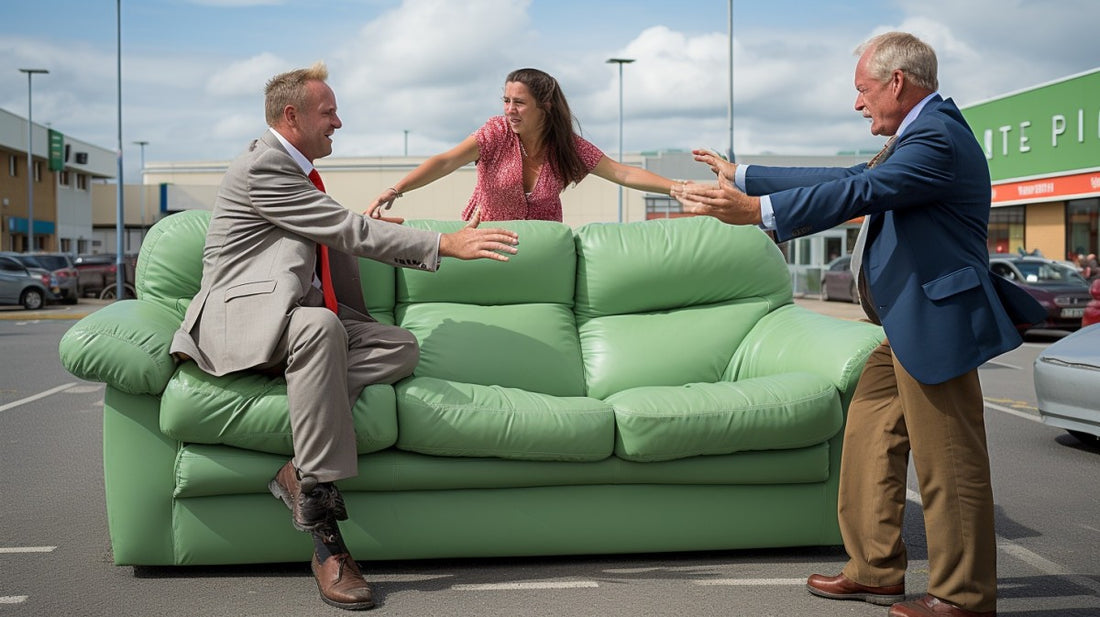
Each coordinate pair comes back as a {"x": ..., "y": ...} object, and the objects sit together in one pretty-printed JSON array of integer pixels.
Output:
[
  {"x": 1050, "y": 129},
  {"x": 57, "y": 150}
]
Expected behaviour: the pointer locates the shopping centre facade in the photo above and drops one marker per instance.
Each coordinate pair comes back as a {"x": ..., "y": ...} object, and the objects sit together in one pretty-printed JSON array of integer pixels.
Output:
[{"x": 1043, "y": 148}]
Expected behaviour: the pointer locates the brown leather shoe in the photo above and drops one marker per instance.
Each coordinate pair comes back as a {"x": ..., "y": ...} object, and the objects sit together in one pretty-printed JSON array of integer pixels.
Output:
[
  {"x": 311, "y": 505},
  {"x": 931, "y": 606},
  {"x": 341, "y": 584},
  {"x": 841, "y": 587}
]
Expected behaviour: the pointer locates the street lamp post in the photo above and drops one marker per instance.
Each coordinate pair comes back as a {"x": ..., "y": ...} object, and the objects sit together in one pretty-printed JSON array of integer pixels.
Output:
[
  {"x": 142, "y": 143},
  {"x": 406, "y": 142},
  {"x": 620, "y": 62},
  {"x": 30, "y": 157}
]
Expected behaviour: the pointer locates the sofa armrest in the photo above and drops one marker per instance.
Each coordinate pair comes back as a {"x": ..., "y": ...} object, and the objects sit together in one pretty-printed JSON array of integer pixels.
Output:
[
  {"x": 124, "y": 344},
  {"x": 794, "y": 338}
]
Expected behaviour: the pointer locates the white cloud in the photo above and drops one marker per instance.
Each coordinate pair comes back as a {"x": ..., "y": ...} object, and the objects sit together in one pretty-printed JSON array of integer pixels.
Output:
[{"x": 246, "y": 77}]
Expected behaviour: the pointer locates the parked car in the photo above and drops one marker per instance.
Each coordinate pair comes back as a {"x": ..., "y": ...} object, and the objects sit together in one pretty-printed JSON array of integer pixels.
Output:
[
  {"x": 1092, "y": 309},
  {"x": 98, "y": 274},
  {"x": 1066, "y": 384},
  {"x": 61, "y": 266},
  {"x": 837, "y": 282},
  {"x": 1061, "y": 290},
  {"x": 22, "y": 285}
]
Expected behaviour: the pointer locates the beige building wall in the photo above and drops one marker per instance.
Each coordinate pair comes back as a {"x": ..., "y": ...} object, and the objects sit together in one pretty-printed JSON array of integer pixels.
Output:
[{"x": 356, "y": 182}]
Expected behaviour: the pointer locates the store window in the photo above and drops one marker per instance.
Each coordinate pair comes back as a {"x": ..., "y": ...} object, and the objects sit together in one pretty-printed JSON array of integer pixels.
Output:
[
  {"x": 657, "y": 206},
  {"x": 1006, "y": 230},
  {"x": 1081, "y": 227}
]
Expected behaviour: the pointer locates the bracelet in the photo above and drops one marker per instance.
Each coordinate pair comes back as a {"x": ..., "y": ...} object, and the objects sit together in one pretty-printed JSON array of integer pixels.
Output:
[{"x": 396, "y": 193}]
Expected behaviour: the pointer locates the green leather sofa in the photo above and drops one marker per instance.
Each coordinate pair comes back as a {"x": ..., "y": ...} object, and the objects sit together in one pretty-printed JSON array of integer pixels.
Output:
[{"x": 617, "y": 388}]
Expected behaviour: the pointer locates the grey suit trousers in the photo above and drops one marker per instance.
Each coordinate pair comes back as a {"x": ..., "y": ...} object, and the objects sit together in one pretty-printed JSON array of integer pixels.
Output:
[{"x": 327, "y": 361}]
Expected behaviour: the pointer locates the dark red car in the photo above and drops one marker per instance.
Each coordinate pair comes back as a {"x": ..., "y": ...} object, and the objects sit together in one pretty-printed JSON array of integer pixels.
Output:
[
  {"x": 1092, "y": 309},
  {"x": 1061, "y": 290}
]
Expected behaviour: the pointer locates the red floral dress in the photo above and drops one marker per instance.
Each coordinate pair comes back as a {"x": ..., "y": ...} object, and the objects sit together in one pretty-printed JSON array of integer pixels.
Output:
[{"x": 499, "y": 191}]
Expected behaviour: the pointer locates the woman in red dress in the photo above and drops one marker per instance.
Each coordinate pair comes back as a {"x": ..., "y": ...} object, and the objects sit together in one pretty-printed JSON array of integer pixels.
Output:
[{"x": 525, "y": 158}]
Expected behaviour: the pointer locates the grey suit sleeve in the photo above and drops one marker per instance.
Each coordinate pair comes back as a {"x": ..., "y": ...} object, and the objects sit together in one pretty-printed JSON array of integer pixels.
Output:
[{"x": 284, "y": 196}]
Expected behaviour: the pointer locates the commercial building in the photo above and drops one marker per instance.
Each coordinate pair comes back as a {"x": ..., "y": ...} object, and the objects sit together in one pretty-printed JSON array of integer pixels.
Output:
[
  {"x": 1043, "y": 147},
  {"x": 63, "y": 171}
]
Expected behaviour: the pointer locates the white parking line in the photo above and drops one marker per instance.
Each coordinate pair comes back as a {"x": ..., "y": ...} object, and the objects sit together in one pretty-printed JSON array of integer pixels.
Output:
[
  {"x": 35, "y": 397},
  {"x": 1009, "y": 410},
  {"x": 522, "y": 586},
  {"x": 12, "y": 599},
  {"x": 26, "y": 549},
  {"x": 1030, "y": 557}
]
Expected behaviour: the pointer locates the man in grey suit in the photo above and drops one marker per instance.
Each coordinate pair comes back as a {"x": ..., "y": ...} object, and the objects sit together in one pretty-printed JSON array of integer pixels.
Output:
[{"x": 262, "y": 305}]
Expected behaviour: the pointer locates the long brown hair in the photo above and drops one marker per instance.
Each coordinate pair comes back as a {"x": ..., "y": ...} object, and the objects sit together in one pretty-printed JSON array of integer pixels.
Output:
[{"x": 558, "y": 129}]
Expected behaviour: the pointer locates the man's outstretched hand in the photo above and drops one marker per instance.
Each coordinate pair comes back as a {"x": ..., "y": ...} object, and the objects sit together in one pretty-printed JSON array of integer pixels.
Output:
[{"x": 470, "y": 242}]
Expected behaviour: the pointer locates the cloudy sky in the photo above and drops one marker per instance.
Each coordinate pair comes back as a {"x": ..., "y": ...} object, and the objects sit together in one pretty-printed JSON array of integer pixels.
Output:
[{"x": 193, "y": 70}]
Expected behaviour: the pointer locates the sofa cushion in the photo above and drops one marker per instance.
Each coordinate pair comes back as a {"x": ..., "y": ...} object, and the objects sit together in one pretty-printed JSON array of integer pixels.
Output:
[
  {"x": 543, "y": 271},
  {"x": 204, "y": 470},
  {"x": 499, "y": 324},
  {"x": 448, "y": 418},
  {"x": 528, "y": 346},
  {"x": 791, "y": 410},
  {"x": 169, "y": 268},
  {"x": 668, "y": 302},
  {"x": 249, "y": 410}
]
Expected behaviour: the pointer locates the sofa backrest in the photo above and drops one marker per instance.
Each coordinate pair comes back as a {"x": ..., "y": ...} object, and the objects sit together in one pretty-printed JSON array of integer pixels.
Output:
[
  {"x": 169, "y": 268},
  {"x": 499, "y": 324},
  {"x": 667, "y": 302}
]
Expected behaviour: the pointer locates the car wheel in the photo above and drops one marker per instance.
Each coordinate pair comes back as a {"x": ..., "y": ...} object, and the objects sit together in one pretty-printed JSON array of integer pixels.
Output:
[
  {"x": 824, "y": 291},
  {"x": 32, "y": 299},
  {"x": 110, "y": 292},
  {"x": 1086, "y": 438}
]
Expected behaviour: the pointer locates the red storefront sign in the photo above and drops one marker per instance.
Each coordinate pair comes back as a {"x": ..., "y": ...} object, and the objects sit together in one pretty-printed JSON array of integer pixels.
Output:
[{"x": 1048, "y": 189}]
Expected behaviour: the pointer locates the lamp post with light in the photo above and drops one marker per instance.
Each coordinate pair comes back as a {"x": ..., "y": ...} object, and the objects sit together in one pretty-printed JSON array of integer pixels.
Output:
[
  {"x": 30, "y": 160},
  {"x": 620, "y": 62}
]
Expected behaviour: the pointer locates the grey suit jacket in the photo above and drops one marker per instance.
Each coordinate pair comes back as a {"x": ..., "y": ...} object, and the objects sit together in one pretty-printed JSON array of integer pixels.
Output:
[{"x": 261, "y": 253}]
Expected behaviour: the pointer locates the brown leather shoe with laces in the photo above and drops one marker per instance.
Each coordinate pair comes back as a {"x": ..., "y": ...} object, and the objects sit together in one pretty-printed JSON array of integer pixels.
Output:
[
  {"x": 341, "y": 584},
  {"x": 310, "y": 505},
  {"x": 931, "y": 606},
  {"x": 841, "y": 587}
]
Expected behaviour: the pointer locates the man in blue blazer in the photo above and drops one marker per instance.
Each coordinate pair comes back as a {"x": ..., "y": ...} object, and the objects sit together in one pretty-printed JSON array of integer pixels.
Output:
[{"x": 923, "y": 269}]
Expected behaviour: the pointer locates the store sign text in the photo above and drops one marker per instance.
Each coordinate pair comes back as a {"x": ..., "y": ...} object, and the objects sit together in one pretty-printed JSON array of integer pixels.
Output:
[{"x": 1015, "y": 138}]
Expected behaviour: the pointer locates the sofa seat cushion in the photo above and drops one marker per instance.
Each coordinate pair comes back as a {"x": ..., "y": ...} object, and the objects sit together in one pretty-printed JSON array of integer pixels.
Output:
[
  {"x": 205, "y": 471},
  {"x": 660, "y": 423},
  {"x": 451, "y": 418},
  {"x": 249, "y": 410}
]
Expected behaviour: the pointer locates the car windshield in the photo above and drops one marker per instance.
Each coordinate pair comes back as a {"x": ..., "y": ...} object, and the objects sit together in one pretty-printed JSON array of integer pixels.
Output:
[
  {"x": 52, "y": 262},
  {"x": 28, "y": 261},
  {"x": 1048, "y": 273}
]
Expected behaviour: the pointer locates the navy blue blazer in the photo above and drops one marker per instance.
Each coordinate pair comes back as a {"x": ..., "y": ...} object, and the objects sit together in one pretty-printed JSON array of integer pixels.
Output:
[{"x": 926, "y": 258}]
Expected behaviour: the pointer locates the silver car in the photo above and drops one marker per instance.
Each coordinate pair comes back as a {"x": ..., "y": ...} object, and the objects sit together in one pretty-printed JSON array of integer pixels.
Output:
[
  {"x": 21, "y": 285},
  {"x": 1067, "y": 384}
]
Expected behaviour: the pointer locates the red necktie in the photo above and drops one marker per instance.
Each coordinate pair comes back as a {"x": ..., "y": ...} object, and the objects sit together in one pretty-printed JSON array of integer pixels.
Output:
[{"x": 322, "y": 254}]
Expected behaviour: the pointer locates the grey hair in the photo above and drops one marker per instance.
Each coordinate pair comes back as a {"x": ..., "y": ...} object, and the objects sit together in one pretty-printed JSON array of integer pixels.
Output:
[{"x": 905, "y": 52}]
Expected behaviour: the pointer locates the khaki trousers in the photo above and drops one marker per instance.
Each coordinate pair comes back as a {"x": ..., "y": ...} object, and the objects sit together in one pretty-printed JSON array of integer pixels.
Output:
[
  {"x": 943, "y": 426},
  {"x": 327, "y": 361}
]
